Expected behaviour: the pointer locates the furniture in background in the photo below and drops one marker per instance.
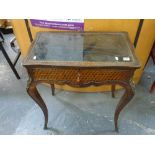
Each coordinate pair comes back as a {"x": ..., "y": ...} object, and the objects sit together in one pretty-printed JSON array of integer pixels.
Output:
[
  {"x": 81, "y": 59},
  {"x": 153, "y": 58},
  {"x": 6, "y": 26},
  {"x": 15, "y": 49}
]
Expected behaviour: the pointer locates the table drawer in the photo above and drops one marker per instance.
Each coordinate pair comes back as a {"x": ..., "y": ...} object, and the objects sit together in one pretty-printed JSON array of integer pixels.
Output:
[
  {"x": 104, "y": 75},
  {"x": 80, "y": 75},
  {"x": 55, "y": 74}
]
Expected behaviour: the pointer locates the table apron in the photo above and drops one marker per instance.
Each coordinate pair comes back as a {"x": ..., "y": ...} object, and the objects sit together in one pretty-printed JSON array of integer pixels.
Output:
[{"x": 79, "y": 77}]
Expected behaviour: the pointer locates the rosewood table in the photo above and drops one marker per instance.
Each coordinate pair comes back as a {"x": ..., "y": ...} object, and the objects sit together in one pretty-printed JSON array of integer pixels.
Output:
[{"x": 81, "y": 59}]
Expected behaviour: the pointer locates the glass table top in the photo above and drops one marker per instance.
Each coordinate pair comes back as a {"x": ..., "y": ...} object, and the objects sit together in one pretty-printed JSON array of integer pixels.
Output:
[{"x": 82, "y": 48}]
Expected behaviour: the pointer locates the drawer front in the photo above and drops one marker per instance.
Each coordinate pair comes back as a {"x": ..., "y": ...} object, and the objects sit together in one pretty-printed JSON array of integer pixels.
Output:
[
  {"x": 105, "y": 75},
  {"x": 55, "y": 74},
  {"x": 80, "y": 75}
]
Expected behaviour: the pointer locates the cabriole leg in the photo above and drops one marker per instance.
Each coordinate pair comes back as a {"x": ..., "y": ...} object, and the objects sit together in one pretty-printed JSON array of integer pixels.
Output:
[
  {"x": 113, "y": 90},
  {"x": 33, "y": 92},
  {"x": 53, "y": 89},
  {"x": 127, "y": 96}
]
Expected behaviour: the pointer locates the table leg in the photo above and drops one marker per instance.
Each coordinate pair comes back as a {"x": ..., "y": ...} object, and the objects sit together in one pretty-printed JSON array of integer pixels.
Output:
[
  {"x": 53, "y": 89},
  {"x": 152, "y": 87},
  {"x": 127, "y": 96},
  {"x": 113, "y": 90},
  {"x": 33, "y": 92}
]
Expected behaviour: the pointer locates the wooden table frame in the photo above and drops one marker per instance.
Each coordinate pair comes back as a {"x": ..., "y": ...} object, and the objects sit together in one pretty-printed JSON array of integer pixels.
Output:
[
  {"x": 81, "y": 74},
  {"x": 126, "y": 83}
]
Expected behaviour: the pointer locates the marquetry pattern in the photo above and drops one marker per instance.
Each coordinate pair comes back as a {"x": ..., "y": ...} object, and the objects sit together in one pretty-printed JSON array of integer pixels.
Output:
[{"x": 80, "y": 75}]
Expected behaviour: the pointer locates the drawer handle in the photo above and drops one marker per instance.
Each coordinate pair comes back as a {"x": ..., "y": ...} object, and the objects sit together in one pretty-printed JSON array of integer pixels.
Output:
[{"x": 78, "y": 77}]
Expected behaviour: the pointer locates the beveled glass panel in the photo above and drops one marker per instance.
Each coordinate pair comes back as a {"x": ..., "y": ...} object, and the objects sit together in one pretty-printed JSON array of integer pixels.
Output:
[{"x": 91, "y": 47}]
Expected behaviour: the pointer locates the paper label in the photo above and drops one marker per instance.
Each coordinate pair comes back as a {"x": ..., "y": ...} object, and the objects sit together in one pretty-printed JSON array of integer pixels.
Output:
[{"x": 126, "y": 58}]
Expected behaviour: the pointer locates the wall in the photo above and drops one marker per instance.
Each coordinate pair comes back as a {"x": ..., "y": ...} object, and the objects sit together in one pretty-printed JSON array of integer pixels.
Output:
[{"x": 142, "y": 50}]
